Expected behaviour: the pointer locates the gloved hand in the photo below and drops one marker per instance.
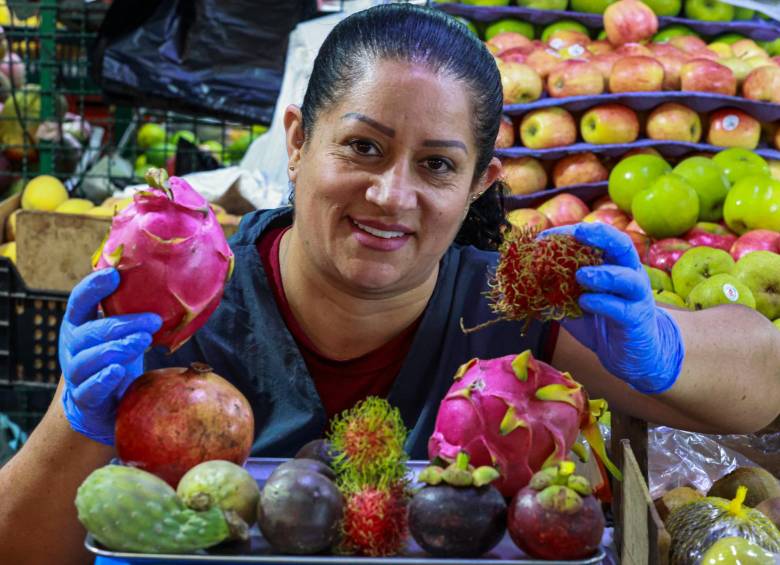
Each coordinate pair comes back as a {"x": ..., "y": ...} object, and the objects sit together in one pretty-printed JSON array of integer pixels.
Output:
[
  {"x": 99, "y": 358},
  {"x": 634, "y": 339}
]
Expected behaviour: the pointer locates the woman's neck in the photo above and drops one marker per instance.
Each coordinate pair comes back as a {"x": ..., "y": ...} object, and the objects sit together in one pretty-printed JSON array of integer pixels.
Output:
[{"x": 340, "y": 324}]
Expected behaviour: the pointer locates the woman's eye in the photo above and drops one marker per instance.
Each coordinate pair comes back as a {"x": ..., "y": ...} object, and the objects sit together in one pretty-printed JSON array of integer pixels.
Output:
[
  {"x": 438, "y": 165},
  {"x": 364, "y": 147}
]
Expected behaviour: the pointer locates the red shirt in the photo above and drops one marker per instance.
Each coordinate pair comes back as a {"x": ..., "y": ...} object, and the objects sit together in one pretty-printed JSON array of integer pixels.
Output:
[{"x": 340, "y": 384}]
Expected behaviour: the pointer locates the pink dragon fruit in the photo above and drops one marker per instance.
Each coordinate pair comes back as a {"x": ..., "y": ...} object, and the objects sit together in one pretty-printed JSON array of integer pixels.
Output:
[
  {"x": 172, "y": 257},
  {"x": 515, "y": 413}
]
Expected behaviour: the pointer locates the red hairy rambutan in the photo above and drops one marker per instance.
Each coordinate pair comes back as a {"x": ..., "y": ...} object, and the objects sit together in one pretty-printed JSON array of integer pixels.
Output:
[
  {"x": 535, "y": 277},
  {"x": 375, "y": 521}
]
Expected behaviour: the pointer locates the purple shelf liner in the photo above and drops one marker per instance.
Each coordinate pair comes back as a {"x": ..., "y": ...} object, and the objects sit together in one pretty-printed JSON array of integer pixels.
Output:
[
  {"x": 761, "y": 30},
  {"x": 587, "y": 192},
  {"x": 666, "y": 148},
  {"x": 642, "y": 101}
]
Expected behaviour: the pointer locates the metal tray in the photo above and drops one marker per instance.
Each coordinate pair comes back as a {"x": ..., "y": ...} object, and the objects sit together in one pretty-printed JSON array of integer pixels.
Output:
[{"x": 257, "y": 550}]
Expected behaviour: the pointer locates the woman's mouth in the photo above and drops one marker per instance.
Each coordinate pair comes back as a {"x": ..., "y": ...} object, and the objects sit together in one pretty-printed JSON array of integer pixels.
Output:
[{"x": 379, "y": 239}]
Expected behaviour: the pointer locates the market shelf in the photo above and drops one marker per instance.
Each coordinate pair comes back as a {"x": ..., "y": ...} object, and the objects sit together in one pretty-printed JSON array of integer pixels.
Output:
[
  {"x": 666, "y": 148},
  {"x": 761, "y": 30},
  {"x": 642, "y": 101}
]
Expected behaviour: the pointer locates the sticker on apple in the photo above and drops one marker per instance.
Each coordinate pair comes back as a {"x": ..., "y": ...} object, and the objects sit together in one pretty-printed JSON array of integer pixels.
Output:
[
  {"x": 730, "y": 122},
  {"x": 730, "y": 292},
  {"x": 576, "y": 50}
]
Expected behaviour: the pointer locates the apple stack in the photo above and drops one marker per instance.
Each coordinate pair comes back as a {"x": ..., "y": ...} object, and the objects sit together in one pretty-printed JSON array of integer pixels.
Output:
[{"x": 707, "y": 230}]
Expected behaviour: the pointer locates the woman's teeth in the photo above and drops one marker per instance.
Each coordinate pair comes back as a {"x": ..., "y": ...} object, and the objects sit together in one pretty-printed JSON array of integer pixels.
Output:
[{"x": 379, "y": 233}]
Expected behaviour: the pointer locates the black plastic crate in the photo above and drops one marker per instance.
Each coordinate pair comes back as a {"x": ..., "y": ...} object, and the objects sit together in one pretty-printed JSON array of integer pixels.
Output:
[
  {"x": 29, "y": 329},
  {"x": 25, "y": 404}
]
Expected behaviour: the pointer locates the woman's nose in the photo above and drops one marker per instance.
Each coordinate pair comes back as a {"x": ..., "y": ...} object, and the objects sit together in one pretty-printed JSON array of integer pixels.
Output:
[{"x": 394, "y": 190}]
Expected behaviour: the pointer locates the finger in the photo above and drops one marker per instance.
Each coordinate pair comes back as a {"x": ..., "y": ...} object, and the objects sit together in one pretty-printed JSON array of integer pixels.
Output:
[
  {"x": 98, "y": 388},
  {"x": 617, "y": 246},
  {"x": 133, "y": 370},
  {"x": 608, "y": 305},
  {"x": 86, "y": 295},
  {"x": 112, "y": 328},
  {"x": 120, "y": 352},
  {"x": 613, "y": 279}
]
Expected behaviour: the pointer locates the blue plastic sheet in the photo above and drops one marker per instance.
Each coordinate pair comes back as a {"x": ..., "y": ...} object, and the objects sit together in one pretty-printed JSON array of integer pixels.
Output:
[
  {"x": 642, "y": 101},
  {"x": 761, "y": 30}
]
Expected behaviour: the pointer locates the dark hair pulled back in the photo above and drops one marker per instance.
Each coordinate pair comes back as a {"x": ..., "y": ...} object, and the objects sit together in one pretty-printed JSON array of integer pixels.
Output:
[{"x": 406, "y": 32}]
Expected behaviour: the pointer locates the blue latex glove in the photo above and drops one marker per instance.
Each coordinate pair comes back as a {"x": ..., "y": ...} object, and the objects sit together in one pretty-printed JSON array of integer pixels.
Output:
[
  {"x": 634, "y": 339},
  {"x": 100, "y": 358}
]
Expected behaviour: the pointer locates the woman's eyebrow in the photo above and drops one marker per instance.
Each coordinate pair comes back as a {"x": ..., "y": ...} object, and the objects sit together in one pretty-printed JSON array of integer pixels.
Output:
[
  {"x": 388, "y": 131},
  {"x": 445, "y": 143}
]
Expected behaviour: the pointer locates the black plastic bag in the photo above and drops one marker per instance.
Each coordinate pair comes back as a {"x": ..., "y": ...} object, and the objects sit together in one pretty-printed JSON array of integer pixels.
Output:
[{"x": 222, "y": 58}]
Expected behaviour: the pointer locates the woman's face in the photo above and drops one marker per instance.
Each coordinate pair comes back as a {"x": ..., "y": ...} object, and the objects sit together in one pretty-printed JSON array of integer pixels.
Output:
[{"x": 385, "y": 180}]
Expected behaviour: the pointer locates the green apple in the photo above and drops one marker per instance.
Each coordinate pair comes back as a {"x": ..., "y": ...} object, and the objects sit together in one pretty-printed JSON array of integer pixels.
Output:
[
  {"x": 509, "y": 24},
  {"x": 633, "y": 175},
  {"x": 668, "y": 208},
  {"x": 753, "y": 203},
  {"x": 543, "y": 4},
  {"x": 569, "y": 25},
  {"x": 150, "y": 134},
  {"x": 590, "y": 6},
  {"x": 720, "y": 289},
  {"x": 159, "y": 153},
  {"x": 183, "y": 134},
  {"x": 698, "y": 264},
  {"x": 709, "y": 10},
  {"x": 729, "y": 38},
  {"x": 743, "y": 13},
  {"x": 710, "y": 183},
  {"x": 738, "y": 163},
  {"x": 675, "y": 30},
  {"x": 664, "y": 7},
  {"x": 469, "y": 24},
  {"x": 760, "y": 271},
  {"x": 669, "y": 297},
  {"x": 602, "y": 35},
  {"x": 486, "y": 2},
  {"x": 659, "y": 280},
  {"x": 777, "y": 323},
  {"x": 772, "y": 48}
]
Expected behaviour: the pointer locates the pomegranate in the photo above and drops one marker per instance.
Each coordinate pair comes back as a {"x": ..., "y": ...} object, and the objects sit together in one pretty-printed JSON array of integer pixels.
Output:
[{"x": 170, "y": 420}]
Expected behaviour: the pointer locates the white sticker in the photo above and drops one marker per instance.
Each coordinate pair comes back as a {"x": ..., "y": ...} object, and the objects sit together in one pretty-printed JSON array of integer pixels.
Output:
[
  {"x": 556, "y": 43},
  {"x": 730, "y": 122},
  {"x": 730, "y": 292},
  {"x": 576, "y": 50}
]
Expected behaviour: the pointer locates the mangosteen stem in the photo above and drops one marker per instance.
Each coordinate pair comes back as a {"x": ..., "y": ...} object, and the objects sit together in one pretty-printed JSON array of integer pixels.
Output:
[
  {"x": 462, "y": 460},
  {"x": 200, "y": 367},
  {"x": 565, "y": 470}
]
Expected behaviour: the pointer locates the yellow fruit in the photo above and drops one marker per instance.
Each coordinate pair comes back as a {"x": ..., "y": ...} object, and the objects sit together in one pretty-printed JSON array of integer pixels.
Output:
[
  {"x": 150, "y": 134},
  {"x": 100, "y": 212},
  {"x": 8, "y": 250},
  {"x": 74, "y": 206},
  {"x": 43, "y": 193},
  {"x": 10, "y": 226}
]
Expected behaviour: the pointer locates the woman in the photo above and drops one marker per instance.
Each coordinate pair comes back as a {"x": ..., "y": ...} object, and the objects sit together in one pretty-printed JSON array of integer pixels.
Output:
[{"x": 361, "y": 292}]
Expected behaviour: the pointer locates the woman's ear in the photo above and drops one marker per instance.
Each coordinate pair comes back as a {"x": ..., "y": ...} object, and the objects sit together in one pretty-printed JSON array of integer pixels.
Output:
[
  {"x": 294, "y": 135},
  {"x": 491, "y": 175}
]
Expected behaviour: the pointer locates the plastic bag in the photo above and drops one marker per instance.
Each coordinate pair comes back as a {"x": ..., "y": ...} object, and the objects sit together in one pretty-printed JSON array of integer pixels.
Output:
[
  {"x": 11, "y": 438},
  {"x": 222, "y": 58}
]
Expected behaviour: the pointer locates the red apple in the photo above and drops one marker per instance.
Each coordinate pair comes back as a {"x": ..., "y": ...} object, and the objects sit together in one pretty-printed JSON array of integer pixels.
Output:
[
  {"x": 579, "y": 168},
  {"x": 641, "y": 244},
  {"x": 599, "y": 47},
  {"x": 672, "y": 60},
  {"x": 633, "y": 50},
  {"x": 506, "y": 133},
  {"x": 521, "y": 84},
  {"x": 507, "y": 40},
  {"x": 633, "y": 226},
  {"x": 604, "y": 202},
  {"x": 763, "y": 84},
  {"x": 548, "y": 127},
  {"x": 605, "y": 62},
  {"x": 636, "y": 74},
  {"x": 755, "y": 240},
  {"x": 730, "y": 127},
  {"x": 563, "y": 38},
  {"x": 615, "y": 218},
  {"x": 575, "y": 78},
  {"x": 528, "y": 218},
  {"x": 746, "y": 48},
  {"x": 628, "y": 21},
  {"x": 689, "y": 44},
  {"x": 543, "y": 60},
  {"x": 674, "y": 122},
  {"x": 564, "y": 209},
  {"x": 642, "y": 151},
  {"x": 711, "y": 235},
  {"x": 609, "y": 123},
  {"x": 776, "y": 60},
  {"x": 703, "y": 75},
  {"x": 524, "y": 175},
  {"x": 664, "y": 253}
]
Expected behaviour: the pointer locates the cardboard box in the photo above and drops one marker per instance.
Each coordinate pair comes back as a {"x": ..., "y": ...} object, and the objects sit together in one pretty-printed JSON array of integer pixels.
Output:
[{"x": 54, "y": 251}]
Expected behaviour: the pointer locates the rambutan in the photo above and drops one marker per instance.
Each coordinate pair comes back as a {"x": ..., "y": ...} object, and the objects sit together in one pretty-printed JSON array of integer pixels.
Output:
[
  {"x": 535, "y": 277},
  {"x": 375, "y": 521}
]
